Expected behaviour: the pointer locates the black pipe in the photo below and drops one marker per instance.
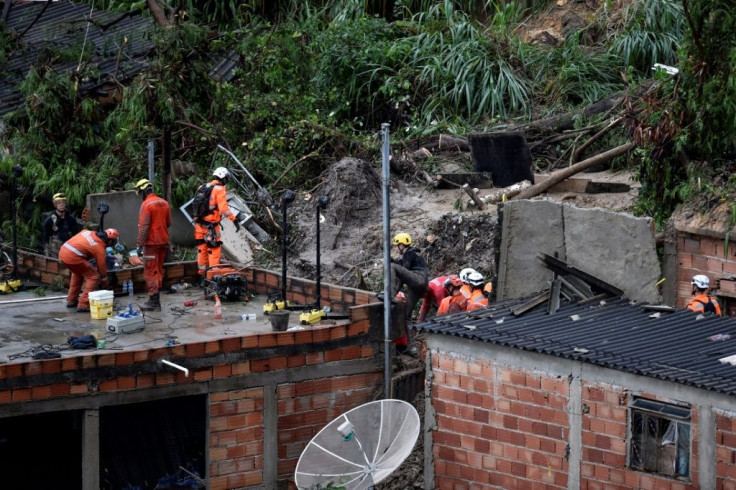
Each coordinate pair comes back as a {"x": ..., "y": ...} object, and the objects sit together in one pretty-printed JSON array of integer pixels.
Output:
[
  {"x": 17, "y": 172},
  {"x": 318, "y": 296},
  {"x": 320, "y": 205},
  {"x": 286, "y": 198}
]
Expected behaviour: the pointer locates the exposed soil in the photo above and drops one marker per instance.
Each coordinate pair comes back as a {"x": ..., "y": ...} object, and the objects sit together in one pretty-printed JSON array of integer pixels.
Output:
[{"x": 449, "y": 233}]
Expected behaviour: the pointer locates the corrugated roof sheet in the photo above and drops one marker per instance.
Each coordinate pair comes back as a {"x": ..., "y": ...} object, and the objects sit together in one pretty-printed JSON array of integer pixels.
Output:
[
  {"x": 119, "y": 44},
  {"x": 615, "y": 333}
]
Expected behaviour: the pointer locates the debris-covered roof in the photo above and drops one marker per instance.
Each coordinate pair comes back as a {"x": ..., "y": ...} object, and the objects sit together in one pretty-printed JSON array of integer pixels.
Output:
[
  {"x": 120, "y": 44},
  {"x": 612, "y": 332}
]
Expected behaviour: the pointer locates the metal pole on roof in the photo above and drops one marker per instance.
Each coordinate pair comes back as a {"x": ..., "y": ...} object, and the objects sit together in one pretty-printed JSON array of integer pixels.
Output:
[
  {"x": 388, "y": 342},
  {"x": 150, "y": 160}
]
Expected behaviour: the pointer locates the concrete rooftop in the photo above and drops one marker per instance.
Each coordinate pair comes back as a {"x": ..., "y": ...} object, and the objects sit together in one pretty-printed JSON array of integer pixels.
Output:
[{"x": 29, "y": 323}]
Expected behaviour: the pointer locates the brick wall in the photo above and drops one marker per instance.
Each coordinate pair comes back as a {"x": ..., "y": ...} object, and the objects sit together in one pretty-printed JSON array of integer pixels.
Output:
[
  {"x": 497, "y": 426},
  {"x": 236, "y": 424},
  {"x": 725, "y": 449},
  {"x": 699, "y": 254}
]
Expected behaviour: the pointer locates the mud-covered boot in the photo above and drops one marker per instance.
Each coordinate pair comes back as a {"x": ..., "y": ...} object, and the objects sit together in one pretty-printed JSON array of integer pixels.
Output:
[{"x": 153, "y": 303}]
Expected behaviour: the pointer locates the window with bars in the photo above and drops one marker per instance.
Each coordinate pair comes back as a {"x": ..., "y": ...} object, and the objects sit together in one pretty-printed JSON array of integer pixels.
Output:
[{"x": 659, "y": 438}]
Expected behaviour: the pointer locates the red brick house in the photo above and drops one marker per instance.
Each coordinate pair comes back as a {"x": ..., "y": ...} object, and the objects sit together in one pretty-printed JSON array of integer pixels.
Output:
[
  {"x": 600, "y": 395},
  {"x": 701, "y": 243}
]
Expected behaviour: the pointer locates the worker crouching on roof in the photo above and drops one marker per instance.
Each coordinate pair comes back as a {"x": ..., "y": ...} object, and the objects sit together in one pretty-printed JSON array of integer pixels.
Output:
[
  {"x": 410, "y": 269},
  {"x": 477, "y": 298},
  {"x": 76, "y": 254},
  {"x": 436, "y": 292},
  {"x": 154, "y": 220},
  {"x": 207, "y": 230},
  {"x": 701, "y": 302},
  {"x": 455, "y": 300}
]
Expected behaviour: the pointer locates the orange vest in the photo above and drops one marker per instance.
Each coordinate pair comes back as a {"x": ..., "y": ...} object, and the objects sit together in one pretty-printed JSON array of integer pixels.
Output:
[
  {"x": 218, "y": 204},
  {"x": 452, "y": 304},
  {"x": 477, "y": 300}
]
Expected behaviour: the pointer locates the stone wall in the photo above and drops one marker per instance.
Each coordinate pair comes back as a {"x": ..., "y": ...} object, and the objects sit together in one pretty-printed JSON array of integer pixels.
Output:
[{"x": 614, "y": 247}]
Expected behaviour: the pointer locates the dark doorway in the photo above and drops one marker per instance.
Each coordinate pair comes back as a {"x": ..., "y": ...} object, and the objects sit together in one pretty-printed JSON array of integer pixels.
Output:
[
  {"x": 159, "y": 444},
  {"x": 41, "y": 451}
]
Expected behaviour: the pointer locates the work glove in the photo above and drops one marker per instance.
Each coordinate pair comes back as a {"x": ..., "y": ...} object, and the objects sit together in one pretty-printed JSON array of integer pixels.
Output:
[
  {"x": 237, "y": 225},
  {"x": 139, "y": 251}
]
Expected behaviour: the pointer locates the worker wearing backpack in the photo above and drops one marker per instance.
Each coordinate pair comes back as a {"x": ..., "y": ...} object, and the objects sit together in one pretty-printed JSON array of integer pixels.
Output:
[
  {"x": 701, "y": 302},
  {"x": 207, "y": 224}
]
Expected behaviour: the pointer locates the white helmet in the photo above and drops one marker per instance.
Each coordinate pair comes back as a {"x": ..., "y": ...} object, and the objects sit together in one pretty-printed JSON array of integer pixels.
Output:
[
  {"x": 701, "y": 281},
  {"x": 476, "y": 278},
  {"x": 465, "y": 273},
  {"x": 221, "y": 173}
]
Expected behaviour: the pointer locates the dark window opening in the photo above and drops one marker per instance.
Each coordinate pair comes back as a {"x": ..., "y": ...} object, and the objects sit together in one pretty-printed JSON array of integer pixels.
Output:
[
  {"x": 660, "y": 438},
  {"x": 159, "y": 444},
  {"x": 41, "y": 451}
]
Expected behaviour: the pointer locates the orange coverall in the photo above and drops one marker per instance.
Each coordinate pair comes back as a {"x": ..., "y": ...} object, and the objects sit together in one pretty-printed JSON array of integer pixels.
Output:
[
  {"x": 154, "y": 220},
  {"x": 477, "y": 300},
  {"x": 75, "y": 254},
  {"x": 209, "y": 255},
  {"x": 452, "y": 304}
]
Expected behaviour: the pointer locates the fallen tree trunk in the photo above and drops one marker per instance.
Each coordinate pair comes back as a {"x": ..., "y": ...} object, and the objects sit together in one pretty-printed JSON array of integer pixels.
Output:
[
  {"x": 572, "y": 170},
  {"x": 473, "y": 193},
  {"x": 509, "y": 192}
]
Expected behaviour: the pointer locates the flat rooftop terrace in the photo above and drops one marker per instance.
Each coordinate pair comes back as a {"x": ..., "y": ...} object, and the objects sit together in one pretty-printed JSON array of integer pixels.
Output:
[{"x": 30, "y": 324}]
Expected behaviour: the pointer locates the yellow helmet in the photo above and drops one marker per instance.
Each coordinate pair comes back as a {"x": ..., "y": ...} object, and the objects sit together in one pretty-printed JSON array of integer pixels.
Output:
[
  {"x": 59, "y": 196},
  {"x": 403, "y": 239},
  {"x": 143, "y": 184}
]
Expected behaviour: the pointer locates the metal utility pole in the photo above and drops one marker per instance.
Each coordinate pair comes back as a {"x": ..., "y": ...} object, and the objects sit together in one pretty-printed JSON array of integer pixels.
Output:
[{"x": 388, "y": 342}]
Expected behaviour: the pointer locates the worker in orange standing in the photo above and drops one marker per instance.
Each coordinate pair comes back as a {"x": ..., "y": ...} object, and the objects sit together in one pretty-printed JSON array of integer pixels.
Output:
[
  {"x": 701, "y": 302},
  {"x": 77, "y": 254},
  {"x": 436, "y": 292},
  {"x": 477, "y": 296},
  {"x": 455, "y": 300},
  {"x": 207, "y": 229},
  {"x": 154, "y": 220}
]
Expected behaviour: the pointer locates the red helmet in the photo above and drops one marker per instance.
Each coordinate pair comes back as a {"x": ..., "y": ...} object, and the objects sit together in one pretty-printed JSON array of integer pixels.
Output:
[
  {"x": 453, "y": 281},
  {"x": 112, "y": 234}
]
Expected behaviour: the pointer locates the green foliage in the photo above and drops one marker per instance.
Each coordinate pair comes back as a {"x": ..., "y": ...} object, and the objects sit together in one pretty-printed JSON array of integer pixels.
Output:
[
  {"x": 651, "y": 32},
  {"x": 573, "y": 74}
]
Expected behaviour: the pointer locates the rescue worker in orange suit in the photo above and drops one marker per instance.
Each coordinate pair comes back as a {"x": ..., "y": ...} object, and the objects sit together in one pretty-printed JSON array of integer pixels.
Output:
[
  {"x": 701, "y": 302},
  {"x": 77, "y": 254},
  {"x": 455, "y": 300},
  {"x": 477, "y": 296},
  {"x": 467, "y": 289},
  {"x": 207, "y": 234},
  {"x": 411, "y": 269},
  {"x": 154, "y": 220},
  {"x": 436, "y": 292}
]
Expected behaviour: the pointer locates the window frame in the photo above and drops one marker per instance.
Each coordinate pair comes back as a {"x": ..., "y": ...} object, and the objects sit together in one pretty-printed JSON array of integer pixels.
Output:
[{"x": 651, "y": 424}]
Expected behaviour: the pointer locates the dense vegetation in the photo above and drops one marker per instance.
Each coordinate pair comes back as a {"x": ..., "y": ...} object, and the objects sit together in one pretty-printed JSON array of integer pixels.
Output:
[{"x": 317, "y": 78}]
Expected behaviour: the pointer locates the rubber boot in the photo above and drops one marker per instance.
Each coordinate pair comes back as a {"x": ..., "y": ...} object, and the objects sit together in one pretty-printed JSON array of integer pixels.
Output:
[{"x": 153, "y": 303}]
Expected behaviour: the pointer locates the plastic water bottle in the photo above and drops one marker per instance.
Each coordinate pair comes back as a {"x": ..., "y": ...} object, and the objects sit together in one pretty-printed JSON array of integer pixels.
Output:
[
  {"x": 125, "y": 287},
  {"x": 130, "y": 287},
  {"x": 218, "y": 307}
]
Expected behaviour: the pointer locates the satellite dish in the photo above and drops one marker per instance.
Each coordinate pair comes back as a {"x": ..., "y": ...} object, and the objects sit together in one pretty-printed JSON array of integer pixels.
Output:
[{"x": 360, "y": 447}]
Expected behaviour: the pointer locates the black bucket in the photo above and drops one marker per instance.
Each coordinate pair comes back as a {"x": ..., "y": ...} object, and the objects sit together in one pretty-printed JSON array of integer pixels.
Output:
[{"x": 279, "y": 320}]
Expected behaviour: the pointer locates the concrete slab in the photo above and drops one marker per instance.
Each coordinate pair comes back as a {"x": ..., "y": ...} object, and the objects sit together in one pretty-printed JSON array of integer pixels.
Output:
[{"x": 29, "y": 323}]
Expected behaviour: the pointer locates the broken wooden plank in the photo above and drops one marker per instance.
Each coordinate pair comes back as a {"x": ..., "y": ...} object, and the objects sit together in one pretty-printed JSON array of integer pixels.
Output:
[
  {"x": 602, "y": 187},
  {"x": 559, "y": 267},
  {"x": 535, "y": 301}
]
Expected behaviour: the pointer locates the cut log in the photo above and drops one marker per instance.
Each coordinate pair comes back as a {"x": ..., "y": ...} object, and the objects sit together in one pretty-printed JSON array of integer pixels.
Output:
[
  {"x": 509, "y": 192},
  {"x": 473, "y": 193},
  {"x": 573, "y": 169}
]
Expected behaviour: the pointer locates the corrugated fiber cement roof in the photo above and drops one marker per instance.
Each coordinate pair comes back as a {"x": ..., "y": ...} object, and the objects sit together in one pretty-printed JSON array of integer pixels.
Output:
[{"x": 614, "y": 333}]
